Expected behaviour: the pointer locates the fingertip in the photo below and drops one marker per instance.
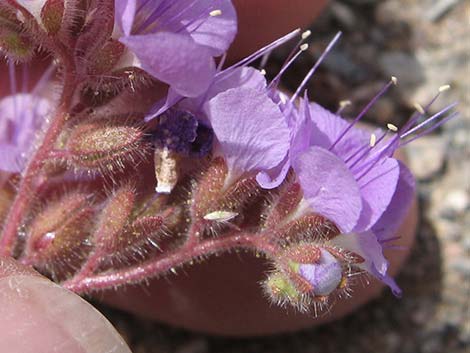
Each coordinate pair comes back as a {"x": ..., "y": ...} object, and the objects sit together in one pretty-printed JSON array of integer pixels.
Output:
[{"x": 38, "y": 316}]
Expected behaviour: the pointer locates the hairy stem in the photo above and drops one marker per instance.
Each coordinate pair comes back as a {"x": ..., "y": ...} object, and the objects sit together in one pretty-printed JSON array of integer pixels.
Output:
[
  {"x": 27, "y": 188},
  {"x": 166, "y": 262}
]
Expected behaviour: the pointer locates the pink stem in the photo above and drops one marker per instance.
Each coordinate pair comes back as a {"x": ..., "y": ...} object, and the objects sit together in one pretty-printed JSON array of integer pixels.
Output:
[
  {"x": 27, "y": 188},
  {"x": 171, "y": 260}
]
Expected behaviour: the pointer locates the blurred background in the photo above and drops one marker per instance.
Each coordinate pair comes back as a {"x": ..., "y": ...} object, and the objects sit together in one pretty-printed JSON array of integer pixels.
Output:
[{"x": 426, "y": 44}]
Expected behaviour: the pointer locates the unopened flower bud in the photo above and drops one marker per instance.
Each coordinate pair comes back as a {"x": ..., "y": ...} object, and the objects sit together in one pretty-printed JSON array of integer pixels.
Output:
[
  {"x": 52, "y": 15},
  {"x": 104, "y": 144},
  {"x": 106, "y": 57},
  {"x": 60, "y": 230},
  {"x": 15, "y": 44},
  {"x": 114, "y": 218},
  {"x": 325, "y": 275},
  {"x": 280, "y": 288}
]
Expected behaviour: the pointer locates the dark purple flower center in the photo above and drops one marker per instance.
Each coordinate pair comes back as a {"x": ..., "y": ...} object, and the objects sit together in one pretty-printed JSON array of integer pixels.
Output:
[{"x": 180, "y": 131}]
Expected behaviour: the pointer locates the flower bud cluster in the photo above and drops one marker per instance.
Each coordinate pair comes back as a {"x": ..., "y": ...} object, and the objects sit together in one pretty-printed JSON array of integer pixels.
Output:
[{"x": 167, "y": 156}]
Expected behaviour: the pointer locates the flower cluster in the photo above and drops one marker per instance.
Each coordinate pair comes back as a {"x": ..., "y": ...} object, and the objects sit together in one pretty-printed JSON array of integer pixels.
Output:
[{"x": 336, "y": 193}]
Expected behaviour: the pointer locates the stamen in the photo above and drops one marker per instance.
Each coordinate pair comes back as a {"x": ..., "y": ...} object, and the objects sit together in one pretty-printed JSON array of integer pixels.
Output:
[
  {"x": 392, "y": 127},
  {"x": 373, "y": 140},
  {"x": 306, "y": 34},
  {"x": 444, "y": 88},
  {"x": 394, "y": 80},
  {"x": 419, "y": 108},
  {"x": 264, "y": 60},
  {"x": 13, "y": 87},
  {"x": 431, "y": 128},
  {"x": 416, "y": 116},
  {"x": 366, "y": 149},
  {"x": 314, "y": 68},
  {"x": 215, "y": 13},
  {"x": 222, "y": 62},
  {"x": 263, "y": 51},
  {"x": 275, "y": 80},
  {"x": 263, "y": 72},
  {"x": 24, "y": 78},
  {"x": 342, "y": 105},
  {"x": 12, "y": 75},
  {"x": 427, "y": 121},
  {"x": 362, "y": 113}
]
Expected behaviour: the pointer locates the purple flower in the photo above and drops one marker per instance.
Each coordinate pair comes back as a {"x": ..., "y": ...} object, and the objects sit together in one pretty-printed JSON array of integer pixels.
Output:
[
  {"x": 367, "y": 175},
  {"x": 250, "y": 129},
  {"x": 325, "y": 275},
  {"x": 369, "y": 248},
  {"x": 176, "y": 40}
]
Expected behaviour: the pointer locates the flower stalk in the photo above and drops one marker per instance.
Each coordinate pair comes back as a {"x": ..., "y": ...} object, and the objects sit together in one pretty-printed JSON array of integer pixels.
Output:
[{"x": 155, "y": 157}]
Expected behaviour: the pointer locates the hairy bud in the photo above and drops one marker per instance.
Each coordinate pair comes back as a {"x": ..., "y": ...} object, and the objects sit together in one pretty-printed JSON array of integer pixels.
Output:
[
  {"x": 97, "y": 28},
  {"x": 59, "y": 231},
  {"x": 52, "y": 16},
  {"x": 106, "y": 57},
  {"x": 281, "y": 290},
  {"x": 15, "y": 44},
  {"x": 104, "y": 144},
  {"x": 114, "y": 218}
]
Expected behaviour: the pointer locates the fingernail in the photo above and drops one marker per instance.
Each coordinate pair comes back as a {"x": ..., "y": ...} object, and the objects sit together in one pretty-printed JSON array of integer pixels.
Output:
[{"x": 37, "y": 316}]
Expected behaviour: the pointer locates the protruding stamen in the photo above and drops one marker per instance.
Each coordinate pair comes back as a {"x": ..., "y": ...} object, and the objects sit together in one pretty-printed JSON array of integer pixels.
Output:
[
  {"x": 416, "y": 116},
  {"x": 263, "y": 72},
  {"x": 284, "y": 68},
  {"x": 392, "y": 127},
  {"x": 215, "y": 13},
  {"x": 431, "y": 128},
  {"x": 264, "y": 50},
  {"x": 366, "y": 149},
  {"x": 419, "y": 108},
  {"x": 342, "y": 105},
  {"x": 314, "y": 68},
  {"x": 394, "y": 80},
  {"x": 362, "y": 113},
  {"x": 427, "y": 121},
  {"x": 373, "y": 140},
  {"x": 444, "y": 88},
  {"x": 306, "y": 34}
]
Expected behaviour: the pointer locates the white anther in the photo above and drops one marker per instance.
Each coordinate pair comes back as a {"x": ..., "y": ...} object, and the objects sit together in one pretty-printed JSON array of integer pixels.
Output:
[
  {"x": 373, "y": 140},
  {"x": 215, "y": 13},
  {"x": 444, "y": 88},
  {"x": 419, "y": 108},
  {"x": 392, "y": 127},
  {"x": 306, "y": 34},
  {"x": 394, "y": 80},
  {"x": 220, "y": 216},
  {"x": 344, "y": 103},
  {"x": 304, "y": 47},
  {"x": 263, "y": 72}
]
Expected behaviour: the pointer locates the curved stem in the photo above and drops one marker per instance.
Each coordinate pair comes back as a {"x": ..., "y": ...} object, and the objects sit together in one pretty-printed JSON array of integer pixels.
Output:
[
  {"x": 158, "y": 266},
  {"x": 27, "y": 188}
]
